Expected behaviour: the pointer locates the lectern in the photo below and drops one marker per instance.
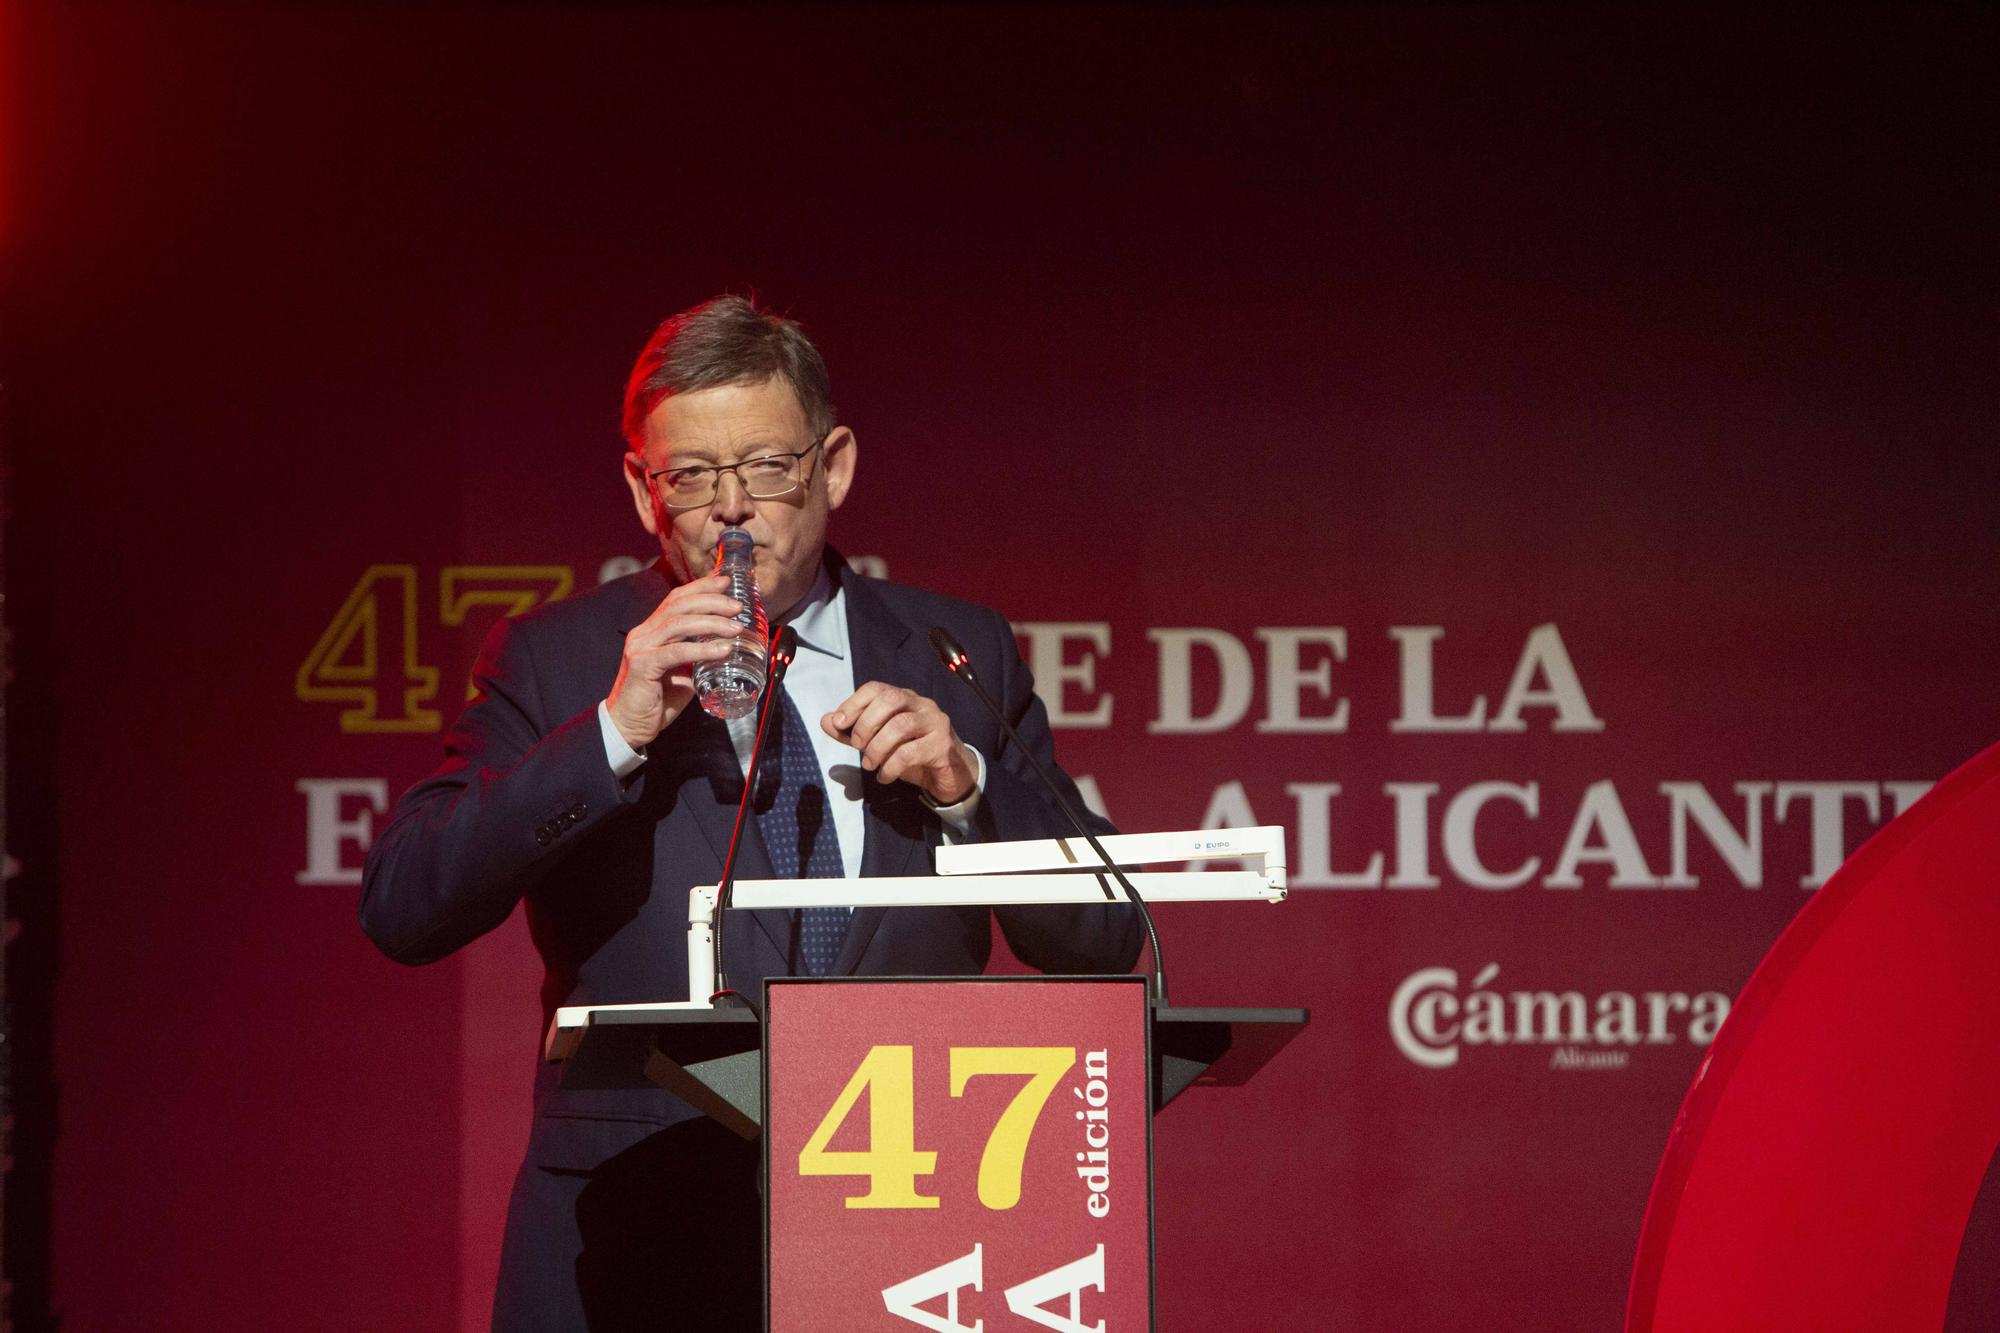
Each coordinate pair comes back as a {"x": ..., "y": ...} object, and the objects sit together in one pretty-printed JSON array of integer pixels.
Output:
[{"x": 962, "y": 1152}]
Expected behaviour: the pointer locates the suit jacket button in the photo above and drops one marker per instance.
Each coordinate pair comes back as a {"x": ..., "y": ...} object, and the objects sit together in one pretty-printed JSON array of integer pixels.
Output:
[
  {"x": 581, "y": 810},
  {"x": 542, "y": 835}
]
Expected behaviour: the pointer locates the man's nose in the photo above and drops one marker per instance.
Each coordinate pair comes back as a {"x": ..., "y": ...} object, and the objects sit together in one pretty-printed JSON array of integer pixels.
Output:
[{"x": 732, "y": 501}]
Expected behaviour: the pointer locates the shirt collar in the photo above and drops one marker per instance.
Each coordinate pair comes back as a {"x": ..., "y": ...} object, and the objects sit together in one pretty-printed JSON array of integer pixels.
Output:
[{"x": 820, "y": 620}]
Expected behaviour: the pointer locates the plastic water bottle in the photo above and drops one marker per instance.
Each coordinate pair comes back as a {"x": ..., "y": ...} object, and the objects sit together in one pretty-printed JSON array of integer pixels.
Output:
[{"x": 729, "y": 688}]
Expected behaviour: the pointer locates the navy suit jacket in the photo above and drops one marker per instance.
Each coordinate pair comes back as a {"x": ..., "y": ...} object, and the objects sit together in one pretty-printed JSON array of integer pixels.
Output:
[{"x": 527, "y": 809}]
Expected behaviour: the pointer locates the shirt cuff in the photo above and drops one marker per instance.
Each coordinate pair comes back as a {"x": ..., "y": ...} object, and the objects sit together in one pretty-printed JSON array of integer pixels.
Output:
[
  {"x": 957, "y": 817},
  {"x": 624, "y": 759}
]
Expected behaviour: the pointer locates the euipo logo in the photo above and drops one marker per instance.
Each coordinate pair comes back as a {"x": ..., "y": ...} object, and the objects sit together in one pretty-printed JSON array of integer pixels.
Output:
[{"x": 1430, "y": 1020}]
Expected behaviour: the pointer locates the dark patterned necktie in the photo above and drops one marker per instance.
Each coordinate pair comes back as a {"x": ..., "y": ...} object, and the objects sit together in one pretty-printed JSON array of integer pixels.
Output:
[{"x": 797, "y": 826}]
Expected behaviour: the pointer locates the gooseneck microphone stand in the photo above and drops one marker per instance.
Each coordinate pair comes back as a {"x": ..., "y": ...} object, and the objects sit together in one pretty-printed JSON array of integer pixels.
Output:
[
  {"x": 779, "y": 660},
  {"x": 959, "y": 664}
]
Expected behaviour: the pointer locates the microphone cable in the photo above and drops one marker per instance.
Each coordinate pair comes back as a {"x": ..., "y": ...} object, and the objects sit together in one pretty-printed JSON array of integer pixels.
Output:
[{"x": 959, "y": 663}]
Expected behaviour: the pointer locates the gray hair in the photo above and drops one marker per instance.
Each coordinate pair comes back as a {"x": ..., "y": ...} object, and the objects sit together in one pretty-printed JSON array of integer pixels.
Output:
[{"x": 729, "y": 340}]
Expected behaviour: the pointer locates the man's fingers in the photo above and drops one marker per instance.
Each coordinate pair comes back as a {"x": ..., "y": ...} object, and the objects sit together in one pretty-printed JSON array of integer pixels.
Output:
[
  {"x": 926, "y": 752},
  {"x": 887, "y": 703},
  {"x": 902, "y": 736},
  {"x": 841, "y": 720},
  {"x": 668, "y": 622},
  {"x": 892, "y": 735},
  {"x": 876, "y": 718},
  {"x": 707, "y": 604},
  {"x": 656, "y": 664},
  {"x": 912, "y": 757},
  {"x": 693, "y": 587},
  {"x": 716, "y": 624},
  {"x": 714, "y": 585},
  {"x": 705, "y": 595}
]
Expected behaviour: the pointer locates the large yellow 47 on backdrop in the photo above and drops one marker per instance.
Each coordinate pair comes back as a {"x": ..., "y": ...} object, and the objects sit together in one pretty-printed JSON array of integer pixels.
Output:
[{"x": 368, "y": 657}]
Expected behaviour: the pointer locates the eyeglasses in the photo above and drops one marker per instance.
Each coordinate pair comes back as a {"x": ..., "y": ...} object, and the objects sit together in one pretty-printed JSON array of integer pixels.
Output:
[{"x": 765, "y": 477}]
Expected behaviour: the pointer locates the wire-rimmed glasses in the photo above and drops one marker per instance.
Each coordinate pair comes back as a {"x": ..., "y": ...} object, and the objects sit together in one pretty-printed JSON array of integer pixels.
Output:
[{"x": 765, "y": 477}]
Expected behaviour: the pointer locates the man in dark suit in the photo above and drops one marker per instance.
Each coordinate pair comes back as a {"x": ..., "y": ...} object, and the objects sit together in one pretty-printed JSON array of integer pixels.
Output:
[{"x": 585, "y": 782}]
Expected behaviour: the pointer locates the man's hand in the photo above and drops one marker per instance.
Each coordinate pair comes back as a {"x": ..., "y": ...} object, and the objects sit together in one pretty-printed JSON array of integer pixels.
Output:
[
  {"x": 656, "y": 679},
  {"x": 904, "y": 737}
]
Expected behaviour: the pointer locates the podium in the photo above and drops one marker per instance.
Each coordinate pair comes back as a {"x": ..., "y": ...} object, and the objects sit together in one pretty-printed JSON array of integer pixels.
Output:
[
  {"x": 712, "y": 1059},
  {"x": 946, "y": 1152}
]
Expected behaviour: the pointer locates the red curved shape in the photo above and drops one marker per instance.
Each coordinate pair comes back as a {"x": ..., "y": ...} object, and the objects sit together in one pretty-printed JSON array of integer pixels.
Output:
[{"x": 1826, "y": 1158}]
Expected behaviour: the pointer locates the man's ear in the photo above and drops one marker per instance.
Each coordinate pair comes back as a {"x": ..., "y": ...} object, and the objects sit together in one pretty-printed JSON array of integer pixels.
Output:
[
  {"x": 837, "y": 457},
  {"x": 642, "y": 494}
]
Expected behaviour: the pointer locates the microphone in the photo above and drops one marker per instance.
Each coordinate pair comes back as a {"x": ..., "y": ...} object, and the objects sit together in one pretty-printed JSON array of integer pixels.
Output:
[
  {"x": 778, "y": 660},
  {"x": 783, "y": 649},
  {"x": 959, "y": 663}
]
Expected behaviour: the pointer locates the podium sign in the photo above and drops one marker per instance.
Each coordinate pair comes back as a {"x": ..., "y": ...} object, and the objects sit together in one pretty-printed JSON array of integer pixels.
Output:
[{"x": 958, "y": 1154}]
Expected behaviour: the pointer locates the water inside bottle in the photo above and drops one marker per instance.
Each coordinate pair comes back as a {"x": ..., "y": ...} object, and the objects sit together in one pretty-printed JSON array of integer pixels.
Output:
[{"x": 728, "y": 689}]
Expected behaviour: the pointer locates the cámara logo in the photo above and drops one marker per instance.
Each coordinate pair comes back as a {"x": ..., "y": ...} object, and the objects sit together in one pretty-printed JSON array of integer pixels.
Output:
[{"x": 1429, "y": 1020}]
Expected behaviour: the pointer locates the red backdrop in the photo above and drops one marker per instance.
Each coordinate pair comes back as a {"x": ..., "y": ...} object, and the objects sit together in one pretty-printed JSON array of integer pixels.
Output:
[{"x": 1635, "y": 373}]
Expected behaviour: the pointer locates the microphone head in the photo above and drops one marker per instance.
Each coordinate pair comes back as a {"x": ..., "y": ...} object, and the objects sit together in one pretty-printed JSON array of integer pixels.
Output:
[
  {"x": 783, "y": 647},
  {"x": 949, "y": 652}
]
